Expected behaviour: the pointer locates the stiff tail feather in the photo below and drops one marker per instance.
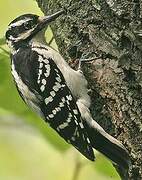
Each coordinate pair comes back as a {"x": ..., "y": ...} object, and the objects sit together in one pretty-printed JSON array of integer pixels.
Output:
[{"x": 107, "y": 145}]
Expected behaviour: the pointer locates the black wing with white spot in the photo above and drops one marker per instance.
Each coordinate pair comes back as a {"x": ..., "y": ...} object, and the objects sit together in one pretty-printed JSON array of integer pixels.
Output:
[{"x": 57, "y": 105}]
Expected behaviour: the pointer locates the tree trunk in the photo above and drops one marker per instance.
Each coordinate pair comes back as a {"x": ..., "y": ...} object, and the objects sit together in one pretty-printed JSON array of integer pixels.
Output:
[{"x": 112, "y": 31}]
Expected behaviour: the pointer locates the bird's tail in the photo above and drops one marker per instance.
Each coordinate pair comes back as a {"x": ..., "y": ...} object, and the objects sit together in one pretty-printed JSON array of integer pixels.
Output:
[
  {"x": 107, "y": 145},
  {"x": 102, "y": 141}
]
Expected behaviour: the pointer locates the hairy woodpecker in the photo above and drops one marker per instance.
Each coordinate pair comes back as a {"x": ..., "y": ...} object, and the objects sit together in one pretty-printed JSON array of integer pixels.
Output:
[{"x": 55, "y": 91}]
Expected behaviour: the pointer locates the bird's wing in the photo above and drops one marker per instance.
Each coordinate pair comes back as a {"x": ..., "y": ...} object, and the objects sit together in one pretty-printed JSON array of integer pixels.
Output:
[{"x": 58, "y": 105}]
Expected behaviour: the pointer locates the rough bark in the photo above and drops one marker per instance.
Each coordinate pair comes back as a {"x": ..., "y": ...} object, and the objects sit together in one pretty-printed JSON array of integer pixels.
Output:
[{"x": 112, "y": 31}]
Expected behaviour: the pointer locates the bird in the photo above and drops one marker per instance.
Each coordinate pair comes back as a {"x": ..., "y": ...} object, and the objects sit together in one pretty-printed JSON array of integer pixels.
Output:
[{"x": 55, "y": 91}]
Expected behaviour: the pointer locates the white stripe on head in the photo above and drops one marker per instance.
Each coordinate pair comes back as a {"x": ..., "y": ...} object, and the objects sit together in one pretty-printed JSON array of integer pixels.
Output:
[{"x": 18, "y": 23}]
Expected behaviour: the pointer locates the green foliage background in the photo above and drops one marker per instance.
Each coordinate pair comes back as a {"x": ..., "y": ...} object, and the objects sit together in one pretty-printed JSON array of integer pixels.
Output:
[{"x": 29, "y": 149}]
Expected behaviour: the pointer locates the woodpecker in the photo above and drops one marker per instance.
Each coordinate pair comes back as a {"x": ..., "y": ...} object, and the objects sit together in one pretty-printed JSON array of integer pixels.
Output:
[{"x": 55, "y": 91}]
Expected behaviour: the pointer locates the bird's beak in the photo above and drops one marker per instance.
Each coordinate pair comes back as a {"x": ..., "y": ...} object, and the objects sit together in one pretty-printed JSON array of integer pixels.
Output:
[{"x": 45, "y": 20}]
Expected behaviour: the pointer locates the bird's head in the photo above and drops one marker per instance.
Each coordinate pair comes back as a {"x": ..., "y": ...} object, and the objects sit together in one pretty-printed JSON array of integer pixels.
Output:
[{"x": 25, "y": 27}]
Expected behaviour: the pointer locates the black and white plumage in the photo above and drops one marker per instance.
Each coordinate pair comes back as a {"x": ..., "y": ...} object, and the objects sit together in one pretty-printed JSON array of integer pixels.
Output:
[{"x": 55, "y": 91}]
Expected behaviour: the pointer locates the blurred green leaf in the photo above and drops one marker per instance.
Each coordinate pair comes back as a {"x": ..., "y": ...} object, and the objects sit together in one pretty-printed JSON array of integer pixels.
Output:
[
  {"x": 3, "y": 67},
  {"x": 104, "y": 166},
  {"x": 2, "y": 41}
]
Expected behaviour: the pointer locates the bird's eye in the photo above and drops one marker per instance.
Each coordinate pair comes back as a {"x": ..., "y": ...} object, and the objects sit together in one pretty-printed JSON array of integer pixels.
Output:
[{"x": 28, "y": 25}]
